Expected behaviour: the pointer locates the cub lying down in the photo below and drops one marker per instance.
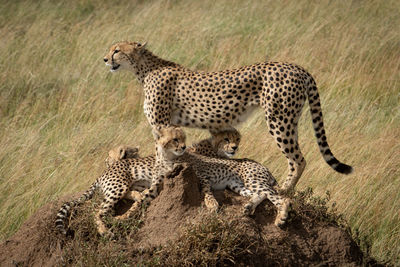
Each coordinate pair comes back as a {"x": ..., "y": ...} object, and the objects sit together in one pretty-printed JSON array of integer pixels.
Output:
[
  {"x": 243, "y": 176},
  {"x": 127, "y": 175}
]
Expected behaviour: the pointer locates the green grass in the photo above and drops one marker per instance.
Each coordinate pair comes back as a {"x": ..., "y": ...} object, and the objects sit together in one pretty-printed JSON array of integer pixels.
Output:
[{"x": 61, "y": 110}]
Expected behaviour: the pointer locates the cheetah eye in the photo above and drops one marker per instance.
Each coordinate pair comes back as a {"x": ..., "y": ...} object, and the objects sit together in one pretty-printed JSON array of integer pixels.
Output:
[
  {"x": 116, "y": 51},
  {"x": 226, "y": 139},
  {"x": 175, "y": 140}
]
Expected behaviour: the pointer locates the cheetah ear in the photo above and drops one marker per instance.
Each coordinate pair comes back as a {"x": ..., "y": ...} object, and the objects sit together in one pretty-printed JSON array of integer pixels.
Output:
[
  {"x": 141, "y": 46},
  {"x": 122, "y": 153},
  {"x": 157, "y": 132},
  {"x": 213, "y": 132}
]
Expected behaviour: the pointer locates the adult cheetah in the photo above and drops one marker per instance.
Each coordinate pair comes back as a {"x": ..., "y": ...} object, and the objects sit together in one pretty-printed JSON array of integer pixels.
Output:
[{"x": 219, "y": 100}]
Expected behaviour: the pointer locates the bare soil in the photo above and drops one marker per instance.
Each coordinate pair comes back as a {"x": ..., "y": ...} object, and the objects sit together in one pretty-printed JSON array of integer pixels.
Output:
[{"x": 177, "y": 230}]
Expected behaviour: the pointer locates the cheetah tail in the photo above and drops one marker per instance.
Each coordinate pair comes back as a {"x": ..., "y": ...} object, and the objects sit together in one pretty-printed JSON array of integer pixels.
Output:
[
  {"x": 318, "y": 125},
  {"x": 65, "y": 209}
]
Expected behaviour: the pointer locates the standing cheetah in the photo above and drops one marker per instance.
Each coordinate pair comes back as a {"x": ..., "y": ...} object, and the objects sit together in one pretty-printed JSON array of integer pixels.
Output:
[
  {"x": 243, "y": 176},
  {"x": 219, "y": 100}
]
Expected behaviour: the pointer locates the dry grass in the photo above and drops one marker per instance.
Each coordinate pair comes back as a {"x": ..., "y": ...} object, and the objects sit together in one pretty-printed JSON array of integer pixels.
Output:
[{"x": 61, "y": 109}]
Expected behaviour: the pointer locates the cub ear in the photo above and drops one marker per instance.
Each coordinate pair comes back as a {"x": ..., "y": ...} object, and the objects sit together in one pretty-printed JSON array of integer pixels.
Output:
[
  {"x": 141, "y": 46},
  {"x": 157, "y": 132},
  {"x": 122, "y": 153},
  {"x": 213, "y": 132}
]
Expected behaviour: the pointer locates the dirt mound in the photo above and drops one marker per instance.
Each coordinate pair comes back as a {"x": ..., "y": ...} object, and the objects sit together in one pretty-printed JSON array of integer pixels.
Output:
[
  {"x": 35, "y": 243},
  {"x": 177, "y": 230}
]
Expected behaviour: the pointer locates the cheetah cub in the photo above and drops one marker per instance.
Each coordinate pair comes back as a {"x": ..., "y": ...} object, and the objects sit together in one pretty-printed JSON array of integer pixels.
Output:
[
  {"x": 121, "y": 152},
  {"x": 243, "y": 176},
  {"x": 222, "y": 144},
  {"x": 114, "y": 184}
]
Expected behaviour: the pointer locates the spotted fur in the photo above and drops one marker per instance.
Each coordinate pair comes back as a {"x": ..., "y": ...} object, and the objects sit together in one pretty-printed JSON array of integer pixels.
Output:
[
  {"x": 223, "y": 144},
  {"x": 115, "y": 184},
  {"x": 243, "y": 176},
  {"x": 218, "y": 100}
]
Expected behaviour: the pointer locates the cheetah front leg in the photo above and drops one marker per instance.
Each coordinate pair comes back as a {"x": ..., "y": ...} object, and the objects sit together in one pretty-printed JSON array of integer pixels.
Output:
[
  {"x": 157, "y": 109},
  {"x": 209, "y": 199},
  {"x": 142, "y": 198},
  {"x": 133, "y": 195}
]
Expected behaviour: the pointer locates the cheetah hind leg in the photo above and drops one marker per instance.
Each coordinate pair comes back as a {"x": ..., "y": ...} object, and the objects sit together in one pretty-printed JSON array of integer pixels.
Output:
[
  {"x": 283, "y": 211},
  {"x": 239, "y": 188},
  {"x": 287, "y": 142},
  {"x": 250, "y": 207},
  {"x": 106, "y": 208},
  {"x": 281, "y": 203}
]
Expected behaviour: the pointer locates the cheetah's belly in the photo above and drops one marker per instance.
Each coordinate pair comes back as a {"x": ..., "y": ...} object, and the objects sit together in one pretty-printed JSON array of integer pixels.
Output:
[
  {"x": 211, "y": 118},
  {"x": 220, "y": 185}
]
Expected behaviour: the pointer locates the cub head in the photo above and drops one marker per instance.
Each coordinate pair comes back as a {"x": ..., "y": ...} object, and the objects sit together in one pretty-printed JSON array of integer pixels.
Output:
[
  {"x": 170, "y": 141},
  {"x": 226, "y": 142},
  {"x": 121, "y": 152},
  {"x": 124, "y": 55}
]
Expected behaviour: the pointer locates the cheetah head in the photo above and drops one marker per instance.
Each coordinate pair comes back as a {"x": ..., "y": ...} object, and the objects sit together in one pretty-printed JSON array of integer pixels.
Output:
[
  {"x": 170, "y": 141},
  {"x": 121, "y": 152},
  {"x": 226, "y": 142},
  {"x": 124, "y": 55}
]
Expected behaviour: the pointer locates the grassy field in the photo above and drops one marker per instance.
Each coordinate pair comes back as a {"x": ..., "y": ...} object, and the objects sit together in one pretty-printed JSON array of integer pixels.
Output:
[{"x": 61, "y": 109}]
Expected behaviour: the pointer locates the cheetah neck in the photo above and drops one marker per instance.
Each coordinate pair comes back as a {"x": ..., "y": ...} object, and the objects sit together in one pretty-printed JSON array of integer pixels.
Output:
[
  {"x": 147, "y": 64},
  {"x": 164, "y": 159}
]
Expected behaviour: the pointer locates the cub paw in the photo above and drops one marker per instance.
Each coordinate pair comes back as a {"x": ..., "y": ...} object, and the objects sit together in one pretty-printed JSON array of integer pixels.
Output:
[
  {"x": 282, "y": 214},
  {"x": 248, "y": 209},
  {"x": 211, "y": 203},
  {"x": 285, "y": 190}
]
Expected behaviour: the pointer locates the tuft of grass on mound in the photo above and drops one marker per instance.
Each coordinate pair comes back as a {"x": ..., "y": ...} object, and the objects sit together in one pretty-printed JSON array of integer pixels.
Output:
[{"x": 214, "y": 241}]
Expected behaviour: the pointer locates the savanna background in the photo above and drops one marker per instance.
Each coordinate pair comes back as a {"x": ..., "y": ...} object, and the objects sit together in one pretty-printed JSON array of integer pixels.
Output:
[{"x": 61, "y": 109}]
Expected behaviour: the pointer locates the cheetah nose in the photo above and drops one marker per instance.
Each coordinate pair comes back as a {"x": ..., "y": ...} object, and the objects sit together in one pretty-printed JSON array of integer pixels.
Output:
[
  {"x": 234, "y": 147},
  {"x": 105, "y": 59},
  {"x": 183, "y": 147}
]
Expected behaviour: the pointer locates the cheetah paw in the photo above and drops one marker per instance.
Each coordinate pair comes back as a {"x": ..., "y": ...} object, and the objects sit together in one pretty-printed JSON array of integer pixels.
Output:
[
  {"x": 286, "y": 191},
  {"x": 248, "y": 210},
  {"x": 211, "y": 204},
  {"x": 283, "y": 212}
]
